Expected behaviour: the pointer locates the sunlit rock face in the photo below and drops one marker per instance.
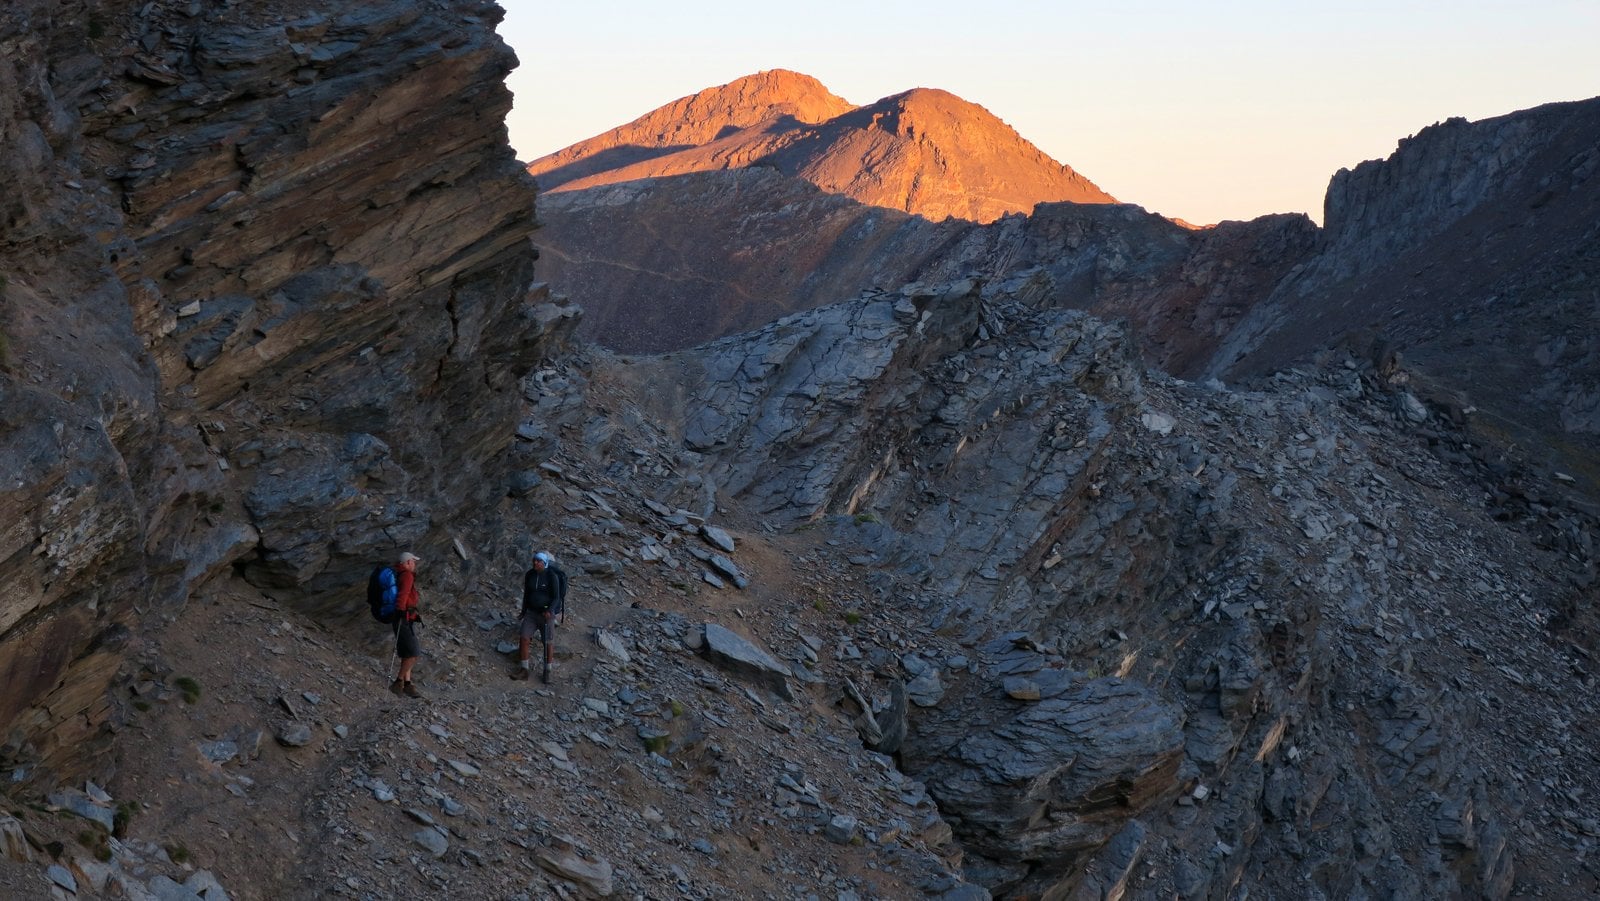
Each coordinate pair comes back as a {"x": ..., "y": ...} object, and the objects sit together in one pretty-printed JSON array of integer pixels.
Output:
[
  {"x": 265, "y": 266},
  {"x": 925, "y": 151}
]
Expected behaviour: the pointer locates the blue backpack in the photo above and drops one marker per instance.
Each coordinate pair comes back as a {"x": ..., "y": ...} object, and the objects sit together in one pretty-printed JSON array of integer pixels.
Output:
[{"x": 382, "y": 594}]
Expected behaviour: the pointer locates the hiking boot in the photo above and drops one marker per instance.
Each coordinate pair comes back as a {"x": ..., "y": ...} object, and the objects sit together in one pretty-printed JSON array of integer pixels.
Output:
[
  {"x": 411, "y": 691},
  {"x": 544, "y": 675},
  {"x": 397, "y": 687},
  {"x": 519, "y": 673}
]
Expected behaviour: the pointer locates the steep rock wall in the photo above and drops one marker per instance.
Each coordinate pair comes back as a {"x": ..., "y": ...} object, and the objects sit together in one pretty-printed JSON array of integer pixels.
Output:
[
  {"x": 267, "y": 301},
  {"x": 1473, "y": 250}
]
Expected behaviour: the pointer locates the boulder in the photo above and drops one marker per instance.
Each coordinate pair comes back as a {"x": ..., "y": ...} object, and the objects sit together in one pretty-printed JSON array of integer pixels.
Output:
[{"x": 741, "y": 657}]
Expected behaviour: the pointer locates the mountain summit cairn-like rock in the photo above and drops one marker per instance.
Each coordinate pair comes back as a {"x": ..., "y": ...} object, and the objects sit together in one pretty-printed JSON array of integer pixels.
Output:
[{"x": 924, "y": 151}]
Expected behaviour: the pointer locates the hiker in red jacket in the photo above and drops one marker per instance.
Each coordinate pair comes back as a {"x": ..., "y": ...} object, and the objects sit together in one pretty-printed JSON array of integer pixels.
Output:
[{"x": 405, "y": 635}]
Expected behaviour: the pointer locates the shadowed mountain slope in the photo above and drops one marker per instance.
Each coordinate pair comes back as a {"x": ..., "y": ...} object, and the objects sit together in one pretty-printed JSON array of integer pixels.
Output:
[{"x": 1474, "y": 250}]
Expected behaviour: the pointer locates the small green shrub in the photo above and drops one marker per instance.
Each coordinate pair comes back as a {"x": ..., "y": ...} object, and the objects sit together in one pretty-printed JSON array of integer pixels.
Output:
[
  {"x": 852, "y": 616},
  {"x": 189, "y": 687},
  {"x": 178, "y": 853},
  {"x": 141, "y": 706},
  {"x": 865, "y": 517},
  {"x": 123, "y": 817},
  {"x": 676, "y": 708}
]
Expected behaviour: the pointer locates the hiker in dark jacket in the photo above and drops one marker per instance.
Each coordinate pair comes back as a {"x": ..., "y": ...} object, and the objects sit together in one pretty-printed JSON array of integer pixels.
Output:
[
  {"x": 405, "y": 635},
  {"x": 544, "y": 597}
]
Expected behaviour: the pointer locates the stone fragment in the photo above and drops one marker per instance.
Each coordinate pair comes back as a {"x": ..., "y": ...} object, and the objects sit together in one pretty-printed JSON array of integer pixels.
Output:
[
  {"x": 219, "y": 752},
  {"x": 91, "y": 875},
  {"x": 613, "y": 644},
  {"x": 163, "y": 888},
  {"x": 62, "y": 876},
  {"x": 744, "y": 659},
  {"x": 841, "y": 829},
  {"x": 205, "y": 884},
  {"x": 730, "y": 569},
  {"x": 717, "y": 538},
  {"x": 1160, "y": 423},
  {"x": 294, "y": 735},
  {"x": 593, "y": 875},
  {"x": 79, "y": 804},
  {"x": 1022, "y": 688},
  {"x": 465, "y": 769},
  {"x": 13, "y": 842},
  {"x": 432, "y": 840},
  {"x": 926, "y": 690}
]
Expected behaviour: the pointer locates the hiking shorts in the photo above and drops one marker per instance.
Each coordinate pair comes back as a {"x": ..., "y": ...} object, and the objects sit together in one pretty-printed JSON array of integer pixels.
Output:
[
  {"x": 405, "y": 640},
  {"x": 534, "y": 625}
]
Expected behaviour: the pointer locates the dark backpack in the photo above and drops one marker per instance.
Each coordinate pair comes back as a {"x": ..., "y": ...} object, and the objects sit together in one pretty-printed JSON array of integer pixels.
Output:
[{"x": 382, "y": 595}]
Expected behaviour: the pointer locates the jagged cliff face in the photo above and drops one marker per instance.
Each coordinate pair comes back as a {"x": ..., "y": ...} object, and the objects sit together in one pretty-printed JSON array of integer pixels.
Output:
[
  {"x": 1474, "y": 251},
  {"x": 924, "y": 152},
  {"x": 262, "y": 274}
]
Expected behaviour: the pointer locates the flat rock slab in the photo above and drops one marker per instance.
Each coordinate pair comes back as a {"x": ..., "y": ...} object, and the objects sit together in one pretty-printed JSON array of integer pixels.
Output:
[
  {"x": 737, "y": 655},
  {"x": 613, "y": 645},
  {"x": 295, "y": 735},
  {"x": 79, "y": 804},
  {"x": 433, "y": 841},
  {"x": 717, "y": 538},
  {"x": 592, "y": 875}
]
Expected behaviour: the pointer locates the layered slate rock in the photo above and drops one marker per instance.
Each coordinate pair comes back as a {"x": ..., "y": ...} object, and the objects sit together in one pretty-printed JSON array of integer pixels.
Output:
[
  {"x": 1201, "y": 544},
  {"x": 266, "y": 303},
  {"x": 738, "y": 655},
  {"x": 1059, "y": 778}
]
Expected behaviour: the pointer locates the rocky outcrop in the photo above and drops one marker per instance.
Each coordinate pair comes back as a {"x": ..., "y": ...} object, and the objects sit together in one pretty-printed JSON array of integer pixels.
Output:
[
  {"x": 1472, "y": 250},
  {"x": 252, "y": 264},
  {"x": 924, "y": 152},
  {"x": 1182, "y": 626}
]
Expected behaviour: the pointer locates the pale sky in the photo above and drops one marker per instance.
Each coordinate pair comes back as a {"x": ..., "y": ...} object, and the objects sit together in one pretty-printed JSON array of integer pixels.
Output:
[{"x": 1202, "y": 111}]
